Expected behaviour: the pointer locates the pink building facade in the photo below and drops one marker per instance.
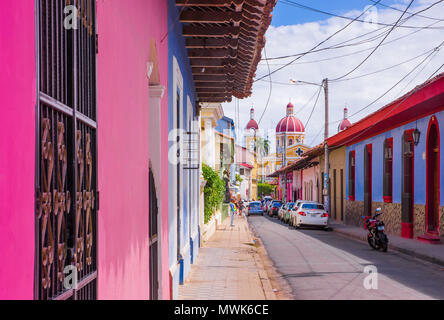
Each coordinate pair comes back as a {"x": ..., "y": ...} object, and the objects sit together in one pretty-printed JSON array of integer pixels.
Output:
[{"x": 80, "y": 172}]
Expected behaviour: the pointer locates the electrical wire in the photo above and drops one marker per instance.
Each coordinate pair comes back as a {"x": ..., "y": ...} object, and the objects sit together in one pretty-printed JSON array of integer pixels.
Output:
[
  {"x": 301, "y": 6},
  {"x": 319, "y": 44},
  {"x": 391, "y": 111},
  {"x": 337, "y": 46},
  {"x": 317, "y": 135},
  {"x": 174, "y": 23},
  {"x": 417, "y": 74},
  {"x": 271, "y": 89},
  {"x": 386, "y": 92},
  {"x": 384, "y": 69},
  {"x": 399, "y": 10},
  {"x": 436, "y": 71},
  {"x": 367, "y": 74},
  {"x": 314, "y": 107},
  {"x": 377, "y": 47}
]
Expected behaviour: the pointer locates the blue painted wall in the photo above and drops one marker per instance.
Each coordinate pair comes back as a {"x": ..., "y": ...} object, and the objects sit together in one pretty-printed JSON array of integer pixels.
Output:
[
  {"x": 377, "y": 171},
  {"x": 189, "y": 220}
]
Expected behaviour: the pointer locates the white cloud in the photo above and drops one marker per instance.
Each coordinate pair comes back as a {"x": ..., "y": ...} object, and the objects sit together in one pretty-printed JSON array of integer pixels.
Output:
[{"x": 287, "y": 40}]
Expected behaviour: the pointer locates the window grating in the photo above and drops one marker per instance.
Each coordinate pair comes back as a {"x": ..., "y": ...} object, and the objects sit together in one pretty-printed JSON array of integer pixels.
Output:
[{"x": 66, "y": 164}]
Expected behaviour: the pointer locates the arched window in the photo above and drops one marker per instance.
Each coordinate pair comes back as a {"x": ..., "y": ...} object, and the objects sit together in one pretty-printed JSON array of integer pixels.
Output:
[{"x": 290, "y": 142}]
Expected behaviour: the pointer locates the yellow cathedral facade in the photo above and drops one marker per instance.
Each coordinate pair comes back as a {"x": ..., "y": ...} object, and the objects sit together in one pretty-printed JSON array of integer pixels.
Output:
[{"x": 290, "y": 144}]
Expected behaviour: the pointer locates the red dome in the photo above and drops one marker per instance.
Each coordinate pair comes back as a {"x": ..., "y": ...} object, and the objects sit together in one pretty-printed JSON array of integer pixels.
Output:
[
  {"x": 344, "y": 124},
  {"x": 252, "y": 124},
  {"x": 290, "y": 124}
]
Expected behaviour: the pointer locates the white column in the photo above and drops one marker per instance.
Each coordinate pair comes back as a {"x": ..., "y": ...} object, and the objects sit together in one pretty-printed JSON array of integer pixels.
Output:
[{"x": 154, "y": 136}]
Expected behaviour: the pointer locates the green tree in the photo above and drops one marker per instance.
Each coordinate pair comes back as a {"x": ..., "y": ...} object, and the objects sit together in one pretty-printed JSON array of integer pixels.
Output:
[
  {"x": 214, "y": 191},
  {"x": 265, "y": 189}
]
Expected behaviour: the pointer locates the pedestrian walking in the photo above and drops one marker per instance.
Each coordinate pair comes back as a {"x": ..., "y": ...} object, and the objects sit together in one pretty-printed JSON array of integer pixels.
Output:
[{"x": 232, "y": 211}]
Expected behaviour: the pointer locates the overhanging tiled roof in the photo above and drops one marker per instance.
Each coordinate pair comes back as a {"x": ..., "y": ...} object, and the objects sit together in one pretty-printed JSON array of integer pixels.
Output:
[{"x": 225, "y": 39}]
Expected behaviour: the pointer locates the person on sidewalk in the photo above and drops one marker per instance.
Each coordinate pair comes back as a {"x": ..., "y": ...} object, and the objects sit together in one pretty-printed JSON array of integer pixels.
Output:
[{"x": 232, "y": 211}]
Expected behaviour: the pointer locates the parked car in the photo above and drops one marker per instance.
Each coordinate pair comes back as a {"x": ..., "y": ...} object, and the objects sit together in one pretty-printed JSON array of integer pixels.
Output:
[
  {"x": 282, "y": 213},
  {"x": 311, "y": 214},
  {"x": 292, "y": 212},
  {"x": 290, "y": 207},
  {"x": 267, "y": 205},
  {"x": 255, "y": 207},
  {"x": 274, "y": 207}
]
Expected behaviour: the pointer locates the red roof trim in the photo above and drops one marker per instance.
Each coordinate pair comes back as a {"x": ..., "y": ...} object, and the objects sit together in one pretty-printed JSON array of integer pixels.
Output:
[{"x": 422, "y": 101}]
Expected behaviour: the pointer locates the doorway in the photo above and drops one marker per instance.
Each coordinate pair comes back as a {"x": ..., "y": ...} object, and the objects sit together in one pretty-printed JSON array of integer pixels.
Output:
[
  {"x": 368, "y": 180},
  {"x": 408, "y": 152},
  {"x": 433, "y": 172}
]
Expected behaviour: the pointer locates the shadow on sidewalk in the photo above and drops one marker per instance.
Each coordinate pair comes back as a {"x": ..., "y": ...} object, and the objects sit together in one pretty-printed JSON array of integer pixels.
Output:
[{"x": 416, "y": 274}]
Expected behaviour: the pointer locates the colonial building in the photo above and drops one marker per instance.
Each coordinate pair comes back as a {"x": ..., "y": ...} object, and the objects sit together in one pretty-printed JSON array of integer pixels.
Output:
[
  {"x": 393, "y": 161},
  {"x": 100, "y": 174},
  {"x": 81, "y": 189},
  {"x": 290, "y": 147}
]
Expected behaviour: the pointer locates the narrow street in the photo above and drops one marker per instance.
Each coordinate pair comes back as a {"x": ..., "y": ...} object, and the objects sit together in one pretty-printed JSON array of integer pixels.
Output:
[{"x": 324, "y": 265}]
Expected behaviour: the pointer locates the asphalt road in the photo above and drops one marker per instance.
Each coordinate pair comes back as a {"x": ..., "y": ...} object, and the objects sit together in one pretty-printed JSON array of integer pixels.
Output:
[{"x": 324, "y": 265}]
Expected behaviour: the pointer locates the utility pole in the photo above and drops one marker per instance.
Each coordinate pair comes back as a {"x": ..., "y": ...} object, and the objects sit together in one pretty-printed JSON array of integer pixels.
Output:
[{"x": 327, "y": 156}]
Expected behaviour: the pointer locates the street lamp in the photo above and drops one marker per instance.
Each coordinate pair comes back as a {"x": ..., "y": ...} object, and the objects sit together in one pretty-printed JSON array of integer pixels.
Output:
[
  {"x": 293, "y": 81},
  {"x": 416, "y": 136}
]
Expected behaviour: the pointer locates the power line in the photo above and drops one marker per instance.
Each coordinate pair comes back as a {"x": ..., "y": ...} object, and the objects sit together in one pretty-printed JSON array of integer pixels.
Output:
[
  {"x": 301, "y": 6},
  {"x": 386, "y": 92},
  {"x": 271, "y": 89},
  {"x": 391, "y": 111},
  {"x": 399, "y": 10},
  {"x": 338, "y": 46},
  {"x": 314, "y": 107},
  {"x": 317, "y": 135},
  {"x": 367, "y": 74},
  {"x": 319, "y": 44},
  {"x": 418, "y": 73},
  {"x": 437, "y": 71},
  {"x": 384, "y": 69},
  {"x": 377, "y": 47}
]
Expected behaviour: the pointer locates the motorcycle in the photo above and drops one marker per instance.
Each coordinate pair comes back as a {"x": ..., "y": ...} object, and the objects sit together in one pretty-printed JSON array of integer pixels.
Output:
[{"x": 376, "y": 237}]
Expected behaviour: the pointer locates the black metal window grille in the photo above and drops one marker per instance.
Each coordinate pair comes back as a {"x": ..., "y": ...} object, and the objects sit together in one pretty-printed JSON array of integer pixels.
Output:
[
  {"x": 66, "y": 223},
  {"x": 191, "y": 159}
]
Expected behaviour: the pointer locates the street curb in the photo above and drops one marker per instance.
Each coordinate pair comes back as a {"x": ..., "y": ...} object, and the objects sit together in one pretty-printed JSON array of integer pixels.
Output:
[
  {"x": 409, "y": 252},
  {"x": 263, "y": 275}
]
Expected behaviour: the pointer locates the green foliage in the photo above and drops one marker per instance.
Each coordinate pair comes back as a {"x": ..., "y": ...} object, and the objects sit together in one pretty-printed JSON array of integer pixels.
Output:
[
  {"x": 265, "y": 189},
  {"x": 214, "y": 191},
  {"x": 238, "y": 178}
]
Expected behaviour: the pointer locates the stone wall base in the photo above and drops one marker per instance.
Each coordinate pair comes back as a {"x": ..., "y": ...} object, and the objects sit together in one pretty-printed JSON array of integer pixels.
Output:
[{"x": 354, "y": 210}]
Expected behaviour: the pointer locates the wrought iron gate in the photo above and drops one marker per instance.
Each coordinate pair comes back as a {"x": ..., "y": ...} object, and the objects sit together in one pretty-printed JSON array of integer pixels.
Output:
[
  {"x": 66, "y": 208},
  {"x": 154, "y": 239}
]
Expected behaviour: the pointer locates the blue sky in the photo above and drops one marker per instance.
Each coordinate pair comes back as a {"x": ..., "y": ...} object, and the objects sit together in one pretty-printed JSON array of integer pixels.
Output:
[
  {"x": 397, "y": 66},
  {"x": 285, "y": 14}
]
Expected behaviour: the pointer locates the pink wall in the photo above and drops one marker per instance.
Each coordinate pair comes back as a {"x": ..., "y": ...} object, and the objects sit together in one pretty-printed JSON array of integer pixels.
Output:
[
  {"x": 125, "y": 29},
  {"x": 17, "y": 145}
]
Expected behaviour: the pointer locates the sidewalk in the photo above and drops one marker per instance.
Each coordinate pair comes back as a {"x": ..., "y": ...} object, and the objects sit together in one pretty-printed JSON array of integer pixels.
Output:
[
  {"x": 228, "y": 268},
  {"x": 433, "y": 253}
]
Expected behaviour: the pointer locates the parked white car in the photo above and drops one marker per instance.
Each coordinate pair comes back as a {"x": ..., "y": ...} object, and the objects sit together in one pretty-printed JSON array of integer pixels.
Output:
[
  {"x": 292, "y": 212},
  {"x": 311, "y": 214}
]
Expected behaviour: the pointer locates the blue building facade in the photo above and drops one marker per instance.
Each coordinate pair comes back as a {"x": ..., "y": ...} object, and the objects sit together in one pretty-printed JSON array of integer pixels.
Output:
[
  {"x": 183, "y": 178},
  {"x": 399, "y": 168}
]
